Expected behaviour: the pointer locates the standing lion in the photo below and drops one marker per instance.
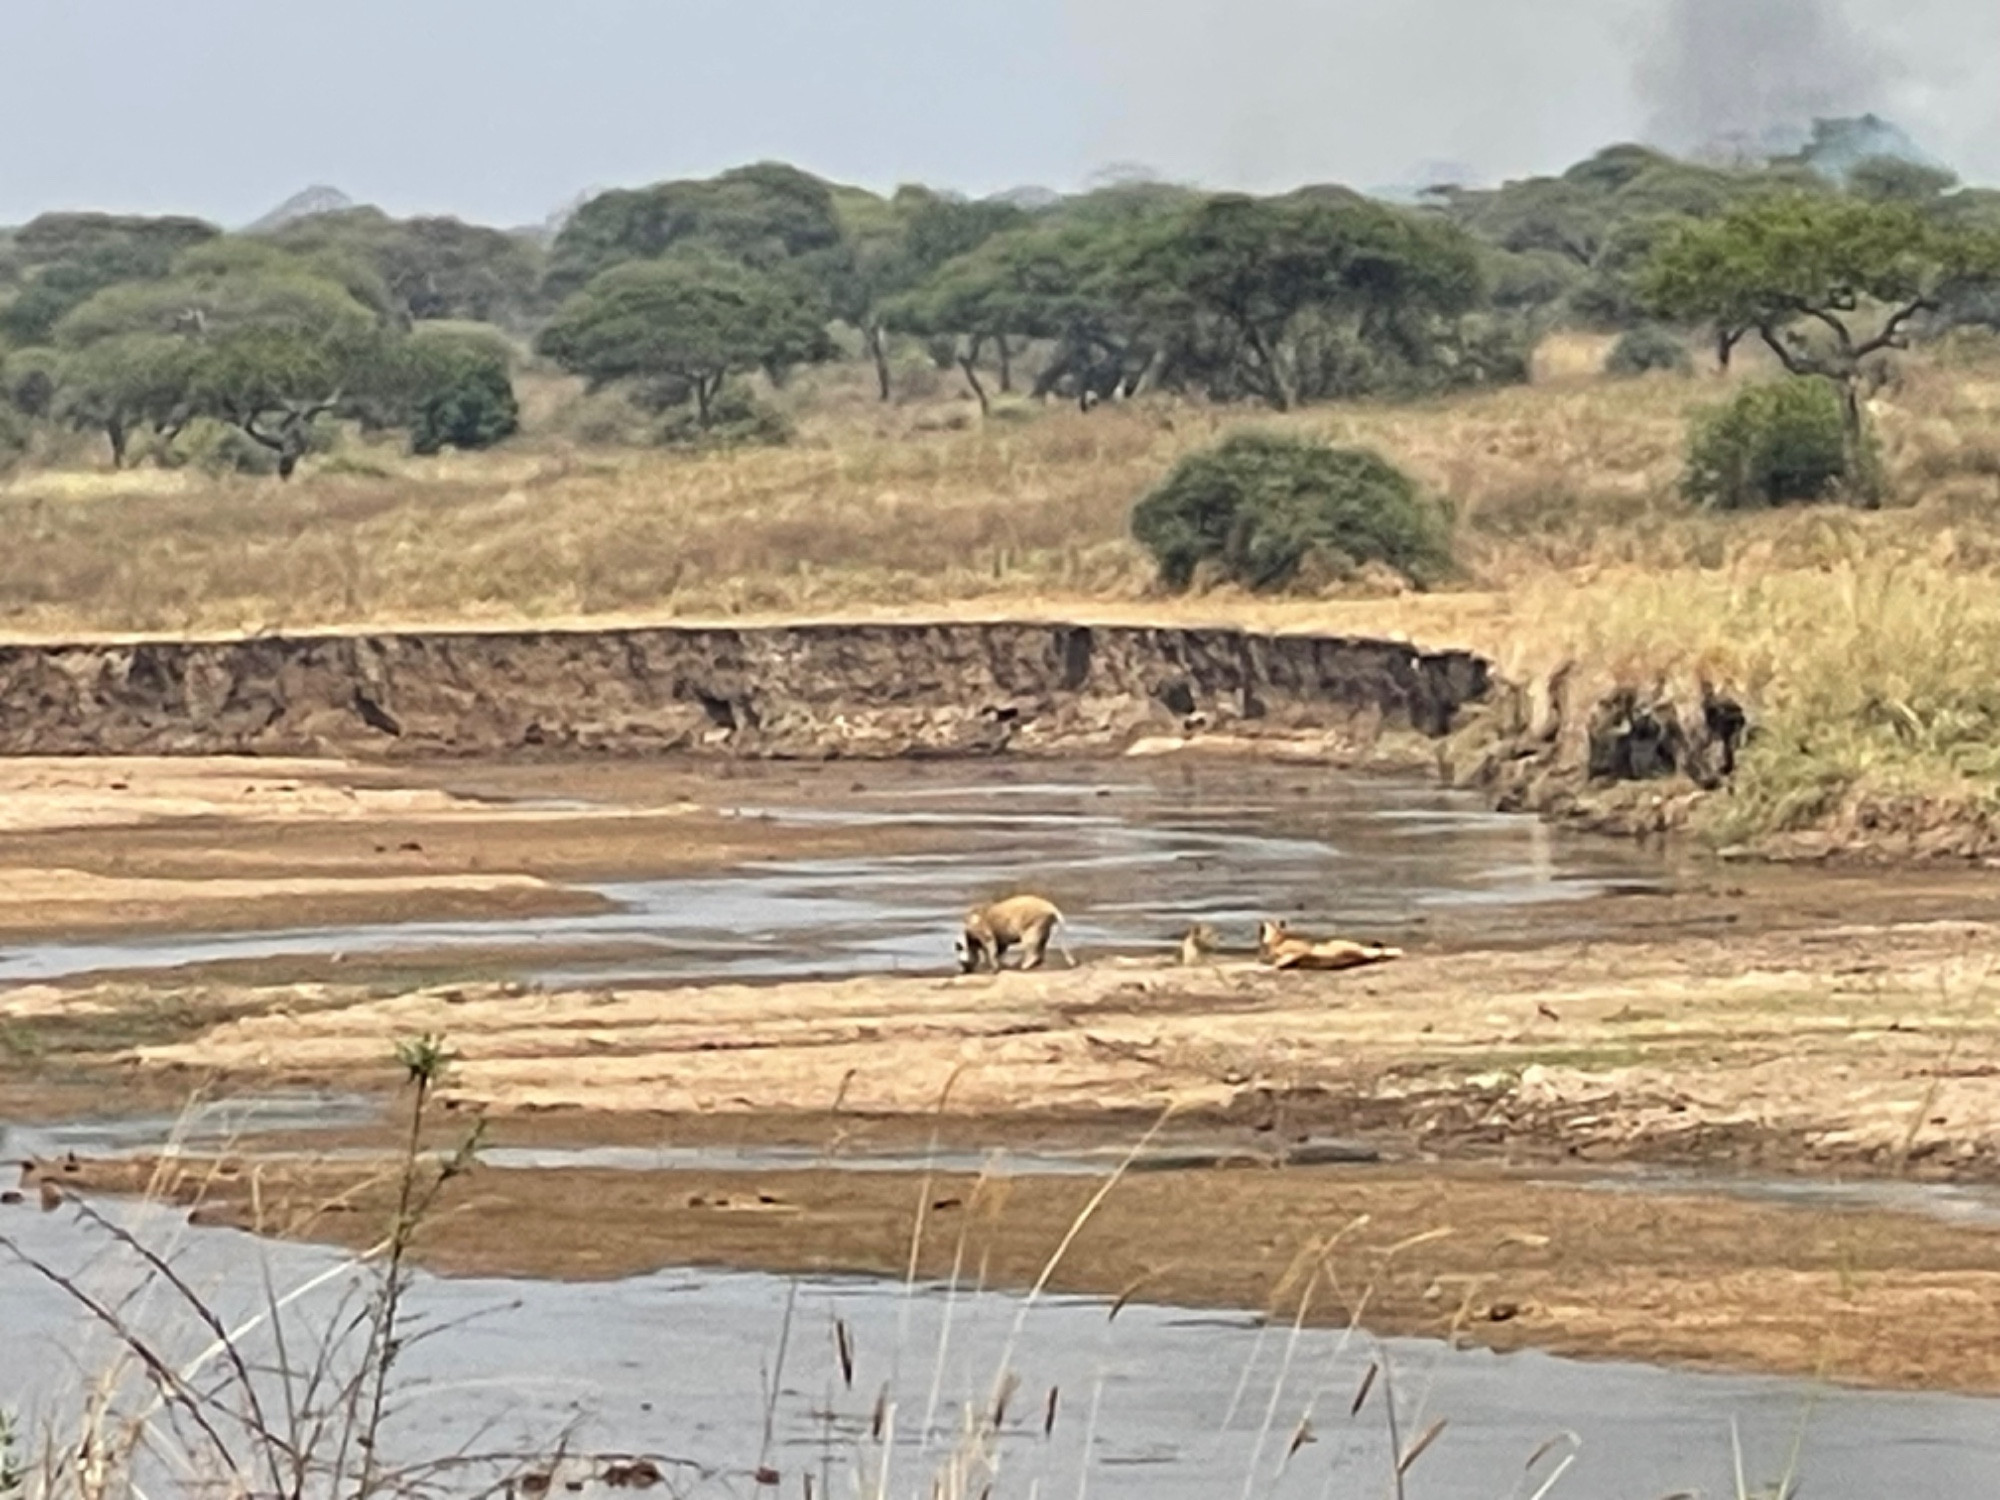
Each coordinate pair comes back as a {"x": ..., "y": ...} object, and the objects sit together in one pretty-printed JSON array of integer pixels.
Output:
[{"x": 1025, "y": 921}]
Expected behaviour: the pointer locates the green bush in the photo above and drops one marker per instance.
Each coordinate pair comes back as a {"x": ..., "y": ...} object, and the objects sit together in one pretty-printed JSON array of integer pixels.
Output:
[
  {"x": 1647, "y": 348},
  {"x": 28, "y": 381},
  {"x": 1775, "y": 444},
  {"x": 460, "y": 392},
  {"x": 14, "y": 437},
  {"x": 1262, "y": 507},
  {"x": 736, "y": 419},
  {"x": 216, "y": 448}
]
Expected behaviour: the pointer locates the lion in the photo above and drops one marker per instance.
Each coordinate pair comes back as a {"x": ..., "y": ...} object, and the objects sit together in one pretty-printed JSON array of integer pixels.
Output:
[
  {"x": 991, "y": 930},
  {"x": 1280, "y": 949},
  {"x": 1198, "y": 944}
]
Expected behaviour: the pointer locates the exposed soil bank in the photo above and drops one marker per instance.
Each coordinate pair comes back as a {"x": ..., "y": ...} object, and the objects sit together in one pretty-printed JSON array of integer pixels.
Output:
[
  {"x": 1860, "y": 1296},
  {"x": 806, "y": 690},
  {"x": 1611, "y": 757}
]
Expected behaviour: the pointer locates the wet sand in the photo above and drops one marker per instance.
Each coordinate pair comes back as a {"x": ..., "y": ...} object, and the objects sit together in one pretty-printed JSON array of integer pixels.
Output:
[
  {"x": 212, "y": 843},
  {"x": 1856, "y": 1049},
  {"x": 1856, "y": 1296}
]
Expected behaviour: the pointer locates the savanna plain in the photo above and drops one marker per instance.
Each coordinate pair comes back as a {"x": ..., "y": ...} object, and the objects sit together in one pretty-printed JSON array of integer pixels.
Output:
[{"x": 1735, "y": 1115}]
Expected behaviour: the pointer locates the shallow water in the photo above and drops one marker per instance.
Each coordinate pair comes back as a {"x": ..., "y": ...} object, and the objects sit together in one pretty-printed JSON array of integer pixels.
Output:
[
  {"x": 1951, "y": 1203},
  {"x": 1155, "y": 1404},
  {"x": 1130, "y": 853}
]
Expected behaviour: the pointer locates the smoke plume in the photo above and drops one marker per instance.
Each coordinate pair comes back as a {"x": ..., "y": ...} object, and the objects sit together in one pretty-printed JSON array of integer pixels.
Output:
[{"x": 1757, "y": 72}]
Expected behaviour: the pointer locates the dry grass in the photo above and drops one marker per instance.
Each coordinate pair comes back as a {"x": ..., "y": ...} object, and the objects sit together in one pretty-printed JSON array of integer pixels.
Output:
[
  {"x": 1865, "y": 641},
  {"x": 906, "y": 506}
]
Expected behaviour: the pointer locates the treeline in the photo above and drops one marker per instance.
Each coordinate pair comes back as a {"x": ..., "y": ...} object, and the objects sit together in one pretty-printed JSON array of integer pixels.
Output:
[{"x": 148, "y": 330}]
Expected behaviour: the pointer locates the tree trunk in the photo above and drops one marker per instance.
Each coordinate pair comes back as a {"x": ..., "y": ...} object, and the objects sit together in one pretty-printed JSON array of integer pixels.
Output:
[
  {"x": 1726, "y": 340},
  {"x": 969, "y": 363},
  {"x": 702, "y": 397},
  {"x": 878, "y": 351},
  {"x": 1006, "y": 366},
  {"x": 1277, "y": 389},
  {"x": 288, "y": 460},
  {"x": 1854, "y": 443},
  {"x": 1150, "y": 375},
  {"x": 114, "y": 430}
]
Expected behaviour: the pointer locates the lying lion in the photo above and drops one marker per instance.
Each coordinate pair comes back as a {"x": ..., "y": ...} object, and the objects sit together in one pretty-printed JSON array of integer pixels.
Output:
[{"x": 1278, "y": 948}]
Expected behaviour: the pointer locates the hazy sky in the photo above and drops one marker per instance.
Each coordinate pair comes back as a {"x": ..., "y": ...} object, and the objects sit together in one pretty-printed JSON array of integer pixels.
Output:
[{"x": 502, "y": 110}]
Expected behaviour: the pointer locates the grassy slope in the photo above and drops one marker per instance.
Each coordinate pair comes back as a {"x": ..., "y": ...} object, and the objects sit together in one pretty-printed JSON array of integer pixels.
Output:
[{"x": 1870, "y": 644}]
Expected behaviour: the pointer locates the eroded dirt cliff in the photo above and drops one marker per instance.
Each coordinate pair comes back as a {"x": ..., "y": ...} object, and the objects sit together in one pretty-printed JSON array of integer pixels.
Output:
[{"x": 809, "y": 690}]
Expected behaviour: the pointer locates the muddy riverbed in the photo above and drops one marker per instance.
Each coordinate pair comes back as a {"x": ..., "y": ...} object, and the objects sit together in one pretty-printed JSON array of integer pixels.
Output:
[
  {"x": 723, "y": 1376},
  {"x": 843, "y": 870},
  {"x": 696, "y": 992}
]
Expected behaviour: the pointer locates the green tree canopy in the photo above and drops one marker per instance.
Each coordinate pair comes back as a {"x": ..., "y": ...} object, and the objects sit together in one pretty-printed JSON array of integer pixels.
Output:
[
  {"x": 767, "y": 216},
  {"x": 681, "y": 326},
  {"x": 1053, "y": 280},
  {"x": 62, "y": 259},
  {"x": 1270, "y": 286},
  {"x": 1826, "y": 282},
  {"x": 1261, "y": 507},
  {"x": 240, "y": 332},
  {"x": 432, "y": 268},
  {"x": 451, "y": 386}
]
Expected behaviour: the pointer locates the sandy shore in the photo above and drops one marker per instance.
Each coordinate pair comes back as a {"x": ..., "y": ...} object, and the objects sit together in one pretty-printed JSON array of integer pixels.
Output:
[{"x": 1858, "y": 1048}]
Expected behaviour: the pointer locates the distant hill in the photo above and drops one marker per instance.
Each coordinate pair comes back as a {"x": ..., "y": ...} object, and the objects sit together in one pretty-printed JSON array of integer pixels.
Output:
[{"x": 303, "y": 205}]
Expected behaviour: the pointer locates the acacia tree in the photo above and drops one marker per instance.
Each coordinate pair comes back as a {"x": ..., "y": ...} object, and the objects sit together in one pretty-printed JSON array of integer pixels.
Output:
[
  {"x": 67, "y": 257},
  {"x": 681, "y": 326},
  {"x": 768, "y": 216},
  {"x": 120, "y": 384},
  {"x": 967, "y": 304},
  {"x": 249, "y": 337},
  {"x": 896, "y": 251},
  {"x": 1057, "y": 281},
  {"x": 1827, "y": 283},
  {"x": 1273, "y": 288},
  {"x": 433, "y": 268}
]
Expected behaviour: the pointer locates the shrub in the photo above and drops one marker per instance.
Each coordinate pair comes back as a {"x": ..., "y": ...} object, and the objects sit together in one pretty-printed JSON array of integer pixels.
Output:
[
  {"x": 1262, "y": 506},
  {"x": 460, "y": 392},
  {"x": 1647, "y": 348},
  {"x": 736, "y": 418},
  {"x": 216, "y": 448},
  {"x": 28, "y": 381},
  {"x": 14, "y": 435},
  {"x": 1773, "y": 444}
]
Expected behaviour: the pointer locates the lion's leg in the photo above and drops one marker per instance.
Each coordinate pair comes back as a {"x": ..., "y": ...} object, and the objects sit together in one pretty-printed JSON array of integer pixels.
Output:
[{"x": 1038, "y": 944}]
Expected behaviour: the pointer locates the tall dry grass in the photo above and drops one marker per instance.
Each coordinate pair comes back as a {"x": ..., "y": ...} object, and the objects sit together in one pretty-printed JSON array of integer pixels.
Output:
[{"x": 919, "y": 506}]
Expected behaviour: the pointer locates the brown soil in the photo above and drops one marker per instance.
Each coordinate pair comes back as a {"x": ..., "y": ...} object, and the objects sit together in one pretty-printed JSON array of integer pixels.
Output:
[{"x": 1872, "y": 1298}]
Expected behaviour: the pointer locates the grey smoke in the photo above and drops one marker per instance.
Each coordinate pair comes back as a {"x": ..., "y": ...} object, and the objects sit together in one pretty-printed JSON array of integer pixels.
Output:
[
  {"x": 1270, "y": 93},
  {"x": 1758, "y": 71}
]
